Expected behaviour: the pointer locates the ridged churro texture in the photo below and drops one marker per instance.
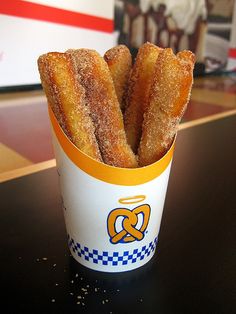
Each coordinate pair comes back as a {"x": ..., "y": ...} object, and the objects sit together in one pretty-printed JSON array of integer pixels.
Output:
[
  {"x": 67, "y": 100},
  {"x": 169, "y": 95},
  {"x": 119, "y": 61},
  {"x": 94, "y": 75},
  {"x": 138, "y": 92}
]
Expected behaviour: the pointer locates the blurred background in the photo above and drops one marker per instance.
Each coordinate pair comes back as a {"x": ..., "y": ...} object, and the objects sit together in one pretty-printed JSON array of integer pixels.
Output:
[
  {"x": 31, "y": 28},
  {"x": 204, "y": 26}
]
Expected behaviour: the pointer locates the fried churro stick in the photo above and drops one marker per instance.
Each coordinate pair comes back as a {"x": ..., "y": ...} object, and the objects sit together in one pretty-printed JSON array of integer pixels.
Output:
[
  {"x": 138, "y": 92},
  {"x": 119, "y": 61},
  {"x": 67, "y": 100},
  {"x": 94, "y": 75},
  {"x": 169, "y": 95}
]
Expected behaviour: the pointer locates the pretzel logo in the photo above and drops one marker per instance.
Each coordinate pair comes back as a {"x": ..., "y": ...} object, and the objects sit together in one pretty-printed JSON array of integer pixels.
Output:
[{"x": 129, "y": 219}]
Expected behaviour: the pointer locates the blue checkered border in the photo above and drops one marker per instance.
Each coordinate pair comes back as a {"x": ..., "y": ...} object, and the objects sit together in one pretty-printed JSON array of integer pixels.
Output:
[{"x": 114, "y": 259}]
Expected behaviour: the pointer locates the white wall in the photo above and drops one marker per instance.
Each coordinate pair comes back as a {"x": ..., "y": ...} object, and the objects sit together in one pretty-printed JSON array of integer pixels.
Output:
[{"x": 23, "y": 39}]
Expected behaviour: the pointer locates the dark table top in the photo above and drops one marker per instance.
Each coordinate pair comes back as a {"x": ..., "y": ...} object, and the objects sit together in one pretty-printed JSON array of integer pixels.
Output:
[{"x": 193, "y": 270}]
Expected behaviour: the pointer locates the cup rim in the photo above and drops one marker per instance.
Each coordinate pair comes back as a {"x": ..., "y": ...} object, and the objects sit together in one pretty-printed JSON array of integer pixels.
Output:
[{"x": 108, "y": 173}]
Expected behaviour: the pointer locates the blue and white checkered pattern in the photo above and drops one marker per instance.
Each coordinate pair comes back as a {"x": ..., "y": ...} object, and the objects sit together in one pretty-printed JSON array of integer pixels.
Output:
[{"x": 114, "y": 259}]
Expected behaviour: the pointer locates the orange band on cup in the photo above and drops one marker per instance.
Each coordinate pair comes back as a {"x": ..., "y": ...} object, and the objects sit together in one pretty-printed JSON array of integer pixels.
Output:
[{"x": 104, "y": 172}]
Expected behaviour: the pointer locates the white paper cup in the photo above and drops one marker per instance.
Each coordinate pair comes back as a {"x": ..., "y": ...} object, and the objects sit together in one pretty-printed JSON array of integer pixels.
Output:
[{"x": 112, "y": 215}]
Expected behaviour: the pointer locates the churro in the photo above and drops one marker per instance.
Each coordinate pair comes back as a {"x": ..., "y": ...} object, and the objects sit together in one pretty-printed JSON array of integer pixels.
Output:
[
  {"x": 169, "y": 95},
  {"x": 119, "y": 61},
  {"x": 94, "y": 75},
  {"x": 67, "y": 100},
  {"x": 138, "y": 92},
  {"x": 86, "y": 93}
]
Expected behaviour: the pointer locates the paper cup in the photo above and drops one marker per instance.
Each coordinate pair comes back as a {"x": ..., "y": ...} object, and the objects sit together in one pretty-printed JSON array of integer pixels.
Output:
[{"x": 112, "y": 215}]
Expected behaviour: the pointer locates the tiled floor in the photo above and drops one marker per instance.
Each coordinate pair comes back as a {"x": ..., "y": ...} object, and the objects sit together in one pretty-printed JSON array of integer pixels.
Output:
[
  {"x": 225, "y": 84},
  {"x": 25, "y": 130},
  {"x": 200, "y": 109}
]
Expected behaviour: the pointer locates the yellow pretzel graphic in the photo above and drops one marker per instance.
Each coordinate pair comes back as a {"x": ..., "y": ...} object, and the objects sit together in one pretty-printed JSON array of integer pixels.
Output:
[{"x": 130, "y": 220}]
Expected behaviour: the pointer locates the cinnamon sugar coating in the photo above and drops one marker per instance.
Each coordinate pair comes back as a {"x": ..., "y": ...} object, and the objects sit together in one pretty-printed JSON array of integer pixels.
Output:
[
  {"x": 119, "y": 61},
  {"x": 138, "y": 92},
  {"x": 169, "y": 96},
  {"x": 67, "y": 100},
  {"x": 94, "y": 75},
  {"x": 83, "y": 88}
]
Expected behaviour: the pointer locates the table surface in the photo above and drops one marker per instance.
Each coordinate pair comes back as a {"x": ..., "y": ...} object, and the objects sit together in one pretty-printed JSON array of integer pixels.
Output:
[{"x": 193, "y": 270}]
